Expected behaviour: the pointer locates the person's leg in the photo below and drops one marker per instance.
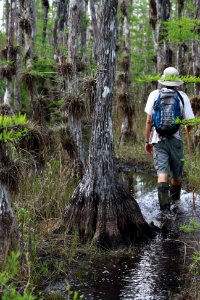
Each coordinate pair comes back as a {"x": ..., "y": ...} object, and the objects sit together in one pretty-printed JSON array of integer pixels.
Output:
[
  {"x": 175, "y": 189},
  {"x": 162, "y": 177},
  {"x": 163, "y": 195},
  {"x": 161, "y": 163},
  {"x": 176, "y": 164}
]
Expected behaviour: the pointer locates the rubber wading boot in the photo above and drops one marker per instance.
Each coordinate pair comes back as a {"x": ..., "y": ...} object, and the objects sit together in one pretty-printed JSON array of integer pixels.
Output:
[
  {"x": 163, "y": 195},
  {"x": 175, "y": 192}
]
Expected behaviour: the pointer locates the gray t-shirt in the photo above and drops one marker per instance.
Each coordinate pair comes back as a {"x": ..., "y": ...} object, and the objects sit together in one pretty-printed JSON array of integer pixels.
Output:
[{"x": 186, "y": 112}]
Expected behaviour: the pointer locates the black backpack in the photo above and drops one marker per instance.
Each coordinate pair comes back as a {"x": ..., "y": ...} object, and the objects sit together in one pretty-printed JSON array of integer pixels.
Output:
[{"x": 166, "y": 110}]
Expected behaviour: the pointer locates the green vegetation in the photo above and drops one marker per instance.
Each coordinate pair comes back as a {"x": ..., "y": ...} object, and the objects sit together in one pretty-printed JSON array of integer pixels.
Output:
[
  {"x": 8, "y": 279},
  {"x": 46, "y": 180},
  {"x": 182, "y": 30},
  {"x": 12, "y": 127},
  {"x": 194, "y": 250}
]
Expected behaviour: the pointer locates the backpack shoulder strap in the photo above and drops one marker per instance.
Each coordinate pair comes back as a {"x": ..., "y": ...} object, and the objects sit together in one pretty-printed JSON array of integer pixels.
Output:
[
  {"x": 181, "y": 98},
  {"x": 157, "y": 97}
]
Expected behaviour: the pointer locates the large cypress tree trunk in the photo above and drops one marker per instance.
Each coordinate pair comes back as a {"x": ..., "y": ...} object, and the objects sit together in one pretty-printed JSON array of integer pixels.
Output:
[{"x": 100, "y": 208}]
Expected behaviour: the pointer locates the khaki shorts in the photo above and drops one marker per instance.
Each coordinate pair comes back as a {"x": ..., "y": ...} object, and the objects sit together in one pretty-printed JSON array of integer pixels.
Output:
[{"x": 168, "y": 157}]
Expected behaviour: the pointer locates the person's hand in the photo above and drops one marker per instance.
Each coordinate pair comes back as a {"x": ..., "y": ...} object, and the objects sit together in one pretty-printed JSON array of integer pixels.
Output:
[{"x": 148, "y": 148}]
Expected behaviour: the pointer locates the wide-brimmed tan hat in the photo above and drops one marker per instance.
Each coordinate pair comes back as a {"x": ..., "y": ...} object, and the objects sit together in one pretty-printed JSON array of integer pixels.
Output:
[{"x": 170, "y": 77}]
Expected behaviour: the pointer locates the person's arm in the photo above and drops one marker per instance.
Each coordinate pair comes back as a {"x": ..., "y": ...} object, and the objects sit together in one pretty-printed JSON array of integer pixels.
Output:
[{"x": 148, "y": 147}]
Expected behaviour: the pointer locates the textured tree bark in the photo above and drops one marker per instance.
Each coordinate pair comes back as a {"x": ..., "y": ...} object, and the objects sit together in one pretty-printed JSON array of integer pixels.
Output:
[
  {"x": 100, "y": 209},
  {"x": 160, "y": 12},
  {"x": 60, "y": 24},
  {"x": 74, "y": 120},
  {"x": 6, "y": 16},
  {"x": 83, "y": 27},
  {"x": 74, "y": 24},
  {"x": 163, "y": 14},
  {"x": 94, "y": 26},
  {"x": 17, "y": 94},
  {"x": 181, "y": 46},
  {"x": 128, "y": 110},
  {"x": 45, "y": 4},
  {"x": 8, "y": 225},
  {"x": 28, "y": 29},
  {"x": 8, "y": 92},
  {"x": 196, "y": 50}
]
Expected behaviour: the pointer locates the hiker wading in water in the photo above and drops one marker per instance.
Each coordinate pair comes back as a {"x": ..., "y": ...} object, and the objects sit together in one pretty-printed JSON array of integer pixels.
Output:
[{"x": 163, "y": 137}]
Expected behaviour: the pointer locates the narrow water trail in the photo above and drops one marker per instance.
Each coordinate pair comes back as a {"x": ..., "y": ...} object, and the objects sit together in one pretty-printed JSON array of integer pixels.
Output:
[{"x": 155, "y": 270}]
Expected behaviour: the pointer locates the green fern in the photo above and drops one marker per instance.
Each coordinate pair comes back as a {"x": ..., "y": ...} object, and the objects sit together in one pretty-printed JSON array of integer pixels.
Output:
[
  {"x": 191, "y": 122},
  {"x": 155, "y": 77},
  {"x": 11, "y": 127}
]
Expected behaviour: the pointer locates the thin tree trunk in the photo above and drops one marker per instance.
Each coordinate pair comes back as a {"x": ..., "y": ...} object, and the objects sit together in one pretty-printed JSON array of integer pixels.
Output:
[
  {"x": 7, "y": 6},
  {"x": 181, "y": 46},
  {"x": 60, "y": 25},
  {"x": 45, "y": 4},
  {"x": 83, "y": 26},
  {"x": 163, "y": 14},
  {"x": 28, "y": 31},
  {"x": 17, "y": 95},
  {"x": 10, "y": 38},
  {"x": 28, "y": 27},
  {"x": 8, "y": 226},
  {"x": 55, "y": 31},
  {"x": 74, "y": 119},
  {"x": 160, "y": 12},
  {"x": 94, "y": 26},
  {"x": 196, "y": 50},
  {"x": 127, "y": 104}
]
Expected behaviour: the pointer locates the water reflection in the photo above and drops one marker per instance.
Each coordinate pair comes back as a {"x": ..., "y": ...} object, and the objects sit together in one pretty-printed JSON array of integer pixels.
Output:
[
  {"x": 155, "y": 270},
  {"x": 155, "y": 276}
]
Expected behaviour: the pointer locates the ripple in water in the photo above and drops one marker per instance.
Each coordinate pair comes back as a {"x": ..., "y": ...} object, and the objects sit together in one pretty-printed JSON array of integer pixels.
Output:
[{"x": 155, "y": 271}]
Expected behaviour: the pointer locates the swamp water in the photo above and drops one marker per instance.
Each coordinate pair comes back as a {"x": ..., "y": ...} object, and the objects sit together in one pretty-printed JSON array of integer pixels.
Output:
[{"x": 152, "y": 271}]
